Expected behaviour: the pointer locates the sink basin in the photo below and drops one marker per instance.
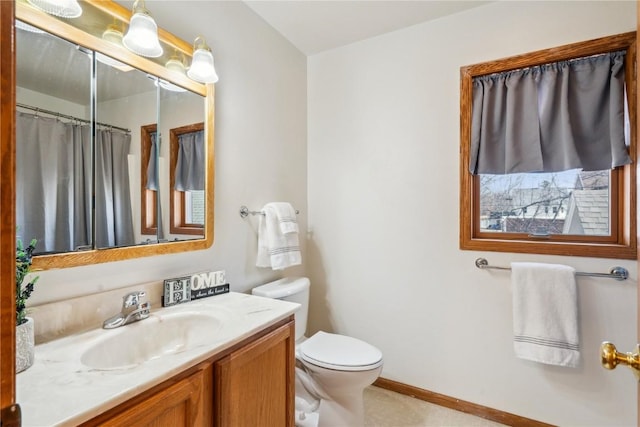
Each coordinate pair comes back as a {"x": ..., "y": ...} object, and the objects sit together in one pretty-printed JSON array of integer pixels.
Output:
[{"x": 136, "y": 343}]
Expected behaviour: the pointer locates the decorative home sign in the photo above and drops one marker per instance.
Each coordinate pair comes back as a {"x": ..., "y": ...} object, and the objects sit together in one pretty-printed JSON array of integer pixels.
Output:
[
  {"x": 176, "y": 291},
  {"x": 196, "y": 286}
]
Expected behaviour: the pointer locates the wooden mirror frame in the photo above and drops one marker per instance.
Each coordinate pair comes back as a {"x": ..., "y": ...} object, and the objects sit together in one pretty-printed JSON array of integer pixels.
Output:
[{"x": 66, "y": 30}]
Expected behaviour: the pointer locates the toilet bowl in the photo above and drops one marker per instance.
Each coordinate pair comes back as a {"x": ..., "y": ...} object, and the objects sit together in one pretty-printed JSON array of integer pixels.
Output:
[
  {"x": 341, "y": 368},
  {"x": 332, "y": 370}
]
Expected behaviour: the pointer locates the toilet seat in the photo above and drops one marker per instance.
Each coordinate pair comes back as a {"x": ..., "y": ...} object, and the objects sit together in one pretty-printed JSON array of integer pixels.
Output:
[{"x": 339, "y": 352}]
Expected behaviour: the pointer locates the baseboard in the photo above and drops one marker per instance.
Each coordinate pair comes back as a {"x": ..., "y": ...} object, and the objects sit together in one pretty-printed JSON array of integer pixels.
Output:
[{"x": 459, "y": 405}]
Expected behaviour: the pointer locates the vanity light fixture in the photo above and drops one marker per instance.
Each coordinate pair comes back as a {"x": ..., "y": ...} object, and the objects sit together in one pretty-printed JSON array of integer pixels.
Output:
[
  {"x": 202, "y": 69},
  {"x": 142, "y": 35},
  {"x": 174, "y": 64},
  {"x": 61, "y": 8},
  {"x": 114, "y": 36}
]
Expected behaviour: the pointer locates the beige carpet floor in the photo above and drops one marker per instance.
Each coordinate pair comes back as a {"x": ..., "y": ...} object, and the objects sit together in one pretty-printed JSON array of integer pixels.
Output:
[{"x": 384, "y": 408}]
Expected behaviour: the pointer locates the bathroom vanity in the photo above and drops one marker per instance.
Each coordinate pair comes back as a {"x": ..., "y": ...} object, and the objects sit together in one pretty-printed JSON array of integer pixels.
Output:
[{"x": 223, "y": 361}]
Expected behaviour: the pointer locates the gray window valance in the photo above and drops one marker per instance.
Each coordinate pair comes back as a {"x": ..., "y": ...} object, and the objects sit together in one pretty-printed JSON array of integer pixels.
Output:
[
  {"x": 550, "y": 118},
  {"x": 190, "y": 166}
]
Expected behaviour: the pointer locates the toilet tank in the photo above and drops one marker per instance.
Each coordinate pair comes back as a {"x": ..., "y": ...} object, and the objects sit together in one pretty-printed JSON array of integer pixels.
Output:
[{"x": 294, "y": 289}]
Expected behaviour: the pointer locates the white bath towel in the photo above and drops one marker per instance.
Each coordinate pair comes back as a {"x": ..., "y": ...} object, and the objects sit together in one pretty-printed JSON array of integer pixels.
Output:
[
  {"x": 277, "y": 249},
  {"x": 545, "y": 313}
]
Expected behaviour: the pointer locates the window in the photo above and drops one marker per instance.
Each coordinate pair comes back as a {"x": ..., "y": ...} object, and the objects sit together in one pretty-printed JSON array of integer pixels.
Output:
[
  {"x": 573, "y": 202},
  {"x": 187, "y": 205},
  {"x": 187, "y": 199},
  {"x": 568, "y": 212}
]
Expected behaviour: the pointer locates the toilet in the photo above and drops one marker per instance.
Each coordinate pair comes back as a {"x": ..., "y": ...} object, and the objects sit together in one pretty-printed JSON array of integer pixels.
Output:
[{"x": 332, "y": 370}]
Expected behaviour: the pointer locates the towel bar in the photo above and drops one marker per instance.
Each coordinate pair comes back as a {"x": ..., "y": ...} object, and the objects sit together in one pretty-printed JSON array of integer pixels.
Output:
[
  {"x": 618, "y": 273},
  {"x": 245, "y": 212}
]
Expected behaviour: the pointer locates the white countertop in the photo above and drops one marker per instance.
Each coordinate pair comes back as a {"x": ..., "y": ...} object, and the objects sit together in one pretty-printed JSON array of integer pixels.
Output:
[{"x": 59, "y": 390}]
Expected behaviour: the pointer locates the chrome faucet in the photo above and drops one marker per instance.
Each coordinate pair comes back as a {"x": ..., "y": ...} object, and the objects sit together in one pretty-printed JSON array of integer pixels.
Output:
[{"x": 134, "y": 307}]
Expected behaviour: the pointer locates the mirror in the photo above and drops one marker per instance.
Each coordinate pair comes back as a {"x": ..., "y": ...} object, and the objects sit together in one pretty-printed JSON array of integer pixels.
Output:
[
  {"x": 53, "y": 143},
  {"x": 127, "y": 99},
  {"x": 110, "y": 193},
  {"x": 183, "y": 146}
]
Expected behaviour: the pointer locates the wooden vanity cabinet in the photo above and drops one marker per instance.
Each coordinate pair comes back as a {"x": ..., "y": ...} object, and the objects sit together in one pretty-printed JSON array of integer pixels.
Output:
[
  {"x": 255, "y": 385},
  {"x": 184, "y": 400},
  {"x": 251, "y": 384}
]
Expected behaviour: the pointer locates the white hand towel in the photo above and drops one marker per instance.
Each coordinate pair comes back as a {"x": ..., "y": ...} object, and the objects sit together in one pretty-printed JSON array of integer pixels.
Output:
[
  {"x": 545, "y": 313},
  {"x": 286, "y": 216},
  {"x": 275, "y": 248}
]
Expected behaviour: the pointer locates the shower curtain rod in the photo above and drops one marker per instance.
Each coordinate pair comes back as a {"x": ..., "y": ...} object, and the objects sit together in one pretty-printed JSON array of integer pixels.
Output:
[{"x": 64, "y": 116}]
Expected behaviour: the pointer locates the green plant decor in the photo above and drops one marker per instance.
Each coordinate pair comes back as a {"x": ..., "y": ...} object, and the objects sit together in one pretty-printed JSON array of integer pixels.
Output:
[{"x": 23, "y": 265}]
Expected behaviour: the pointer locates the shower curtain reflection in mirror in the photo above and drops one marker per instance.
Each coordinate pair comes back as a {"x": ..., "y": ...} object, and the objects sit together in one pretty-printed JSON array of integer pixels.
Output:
[
  {"x": 153, "y": 180},
  {"x": 114, "y": 220},
  {"x": 54, "y": 185}
]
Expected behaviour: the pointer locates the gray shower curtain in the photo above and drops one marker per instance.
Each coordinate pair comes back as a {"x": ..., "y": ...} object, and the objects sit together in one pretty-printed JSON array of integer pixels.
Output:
[
  {"x": 114, "y": 221},
  {"x": 53, "y": 188},
  {"x": 54, "y": 185},
  {"x": 153, "y": 178}
]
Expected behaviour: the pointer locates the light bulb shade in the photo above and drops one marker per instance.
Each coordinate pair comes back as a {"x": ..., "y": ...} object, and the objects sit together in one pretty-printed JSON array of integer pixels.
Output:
[
  {"x": 170, "y": 86},
  {"x": 113, "y": 62},
  {"x": 113, "y": 35},
  {"x": 142, "y": 36},
  {"x": 61, "y": 8},
  {"x": 202, "y": 68},
  {"x": 175, "y": 65}
]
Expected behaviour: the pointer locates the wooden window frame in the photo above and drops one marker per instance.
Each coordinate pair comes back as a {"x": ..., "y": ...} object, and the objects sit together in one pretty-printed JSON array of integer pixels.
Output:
[
  {"x": 148, "y": 203},
  {"x": 622, "y": 243},
  {"x": 177, "y": 202}
]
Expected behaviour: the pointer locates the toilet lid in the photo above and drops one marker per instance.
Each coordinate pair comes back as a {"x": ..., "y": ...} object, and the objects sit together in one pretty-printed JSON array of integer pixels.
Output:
[{"x": 340, "y": 352}]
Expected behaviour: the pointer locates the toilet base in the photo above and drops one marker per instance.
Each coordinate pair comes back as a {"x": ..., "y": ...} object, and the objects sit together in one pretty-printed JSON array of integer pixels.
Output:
[
  {"x": 315, "y": 409},
  {"x": 346, "y": 411},
  {"x": 306, "y": 419},
  {"x": 332, "y": 413}
]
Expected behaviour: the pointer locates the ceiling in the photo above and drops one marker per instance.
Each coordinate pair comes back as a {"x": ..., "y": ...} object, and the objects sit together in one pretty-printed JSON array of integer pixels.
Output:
[{"x": 316, "y": 26}]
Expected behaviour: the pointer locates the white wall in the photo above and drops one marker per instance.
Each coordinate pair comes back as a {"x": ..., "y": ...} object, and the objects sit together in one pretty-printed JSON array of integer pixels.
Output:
[
  {"x": 383, "y": 162},
  {"x": 40, "y": 100},
  {"x": 260, "y": 150}
]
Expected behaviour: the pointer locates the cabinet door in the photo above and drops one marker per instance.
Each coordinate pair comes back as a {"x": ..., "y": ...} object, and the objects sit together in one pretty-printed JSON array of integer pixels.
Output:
[
  {"x": 184, "y": 403},
  {"x": 254, "y": 386}
]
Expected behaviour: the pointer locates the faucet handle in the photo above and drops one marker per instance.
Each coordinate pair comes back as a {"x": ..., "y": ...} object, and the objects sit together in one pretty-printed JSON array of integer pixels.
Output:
[{"x": 134, "y": 299}]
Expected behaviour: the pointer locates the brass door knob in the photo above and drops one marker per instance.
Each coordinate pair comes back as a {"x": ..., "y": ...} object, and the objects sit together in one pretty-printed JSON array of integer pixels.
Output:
[{"x": 610, "y": 358}]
